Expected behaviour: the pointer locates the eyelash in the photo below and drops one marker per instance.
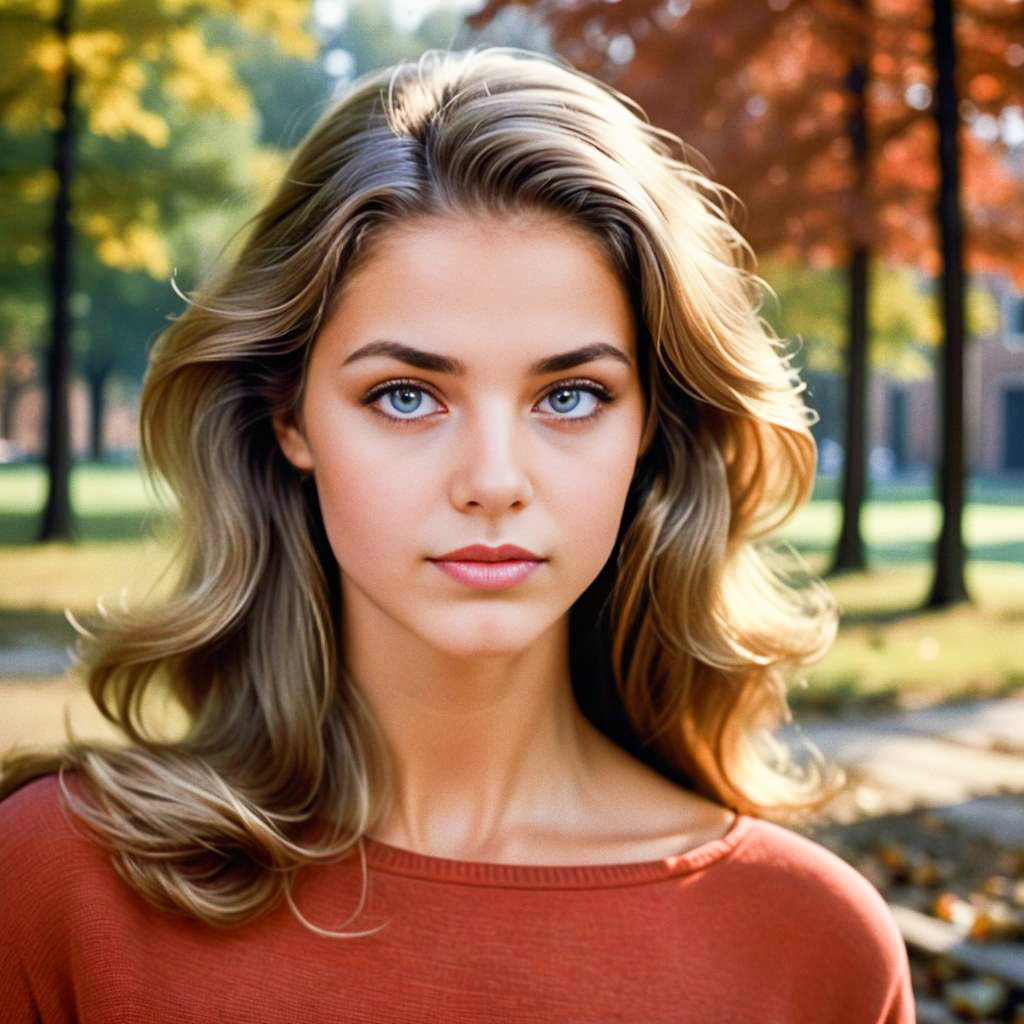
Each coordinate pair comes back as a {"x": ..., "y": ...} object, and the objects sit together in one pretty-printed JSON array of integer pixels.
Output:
[{"x": 599, "y": 391}]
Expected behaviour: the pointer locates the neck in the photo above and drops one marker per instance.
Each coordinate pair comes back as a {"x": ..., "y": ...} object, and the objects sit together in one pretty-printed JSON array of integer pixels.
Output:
[{"x": 489, "y": 752}]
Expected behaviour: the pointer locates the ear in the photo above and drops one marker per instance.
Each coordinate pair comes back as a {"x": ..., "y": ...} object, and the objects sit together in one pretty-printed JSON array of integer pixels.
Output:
[{"x": 293, "y": 443}]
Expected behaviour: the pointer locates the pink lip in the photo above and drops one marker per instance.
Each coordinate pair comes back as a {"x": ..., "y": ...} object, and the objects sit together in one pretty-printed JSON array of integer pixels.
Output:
[
  {"x": 482, "y": 553},
  {"x": 488, "y": 575}
]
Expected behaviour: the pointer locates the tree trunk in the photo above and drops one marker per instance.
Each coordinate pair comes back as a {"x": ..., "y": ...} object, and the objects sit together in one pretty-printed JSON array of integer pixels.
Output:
[
  {"x": 12, "y": 392},
  {"x": 949, "y": 585},
  {"x": 58, "y": 519},
  {"x": 97, "y": 380},
  {"x": 850, "y": 555}
]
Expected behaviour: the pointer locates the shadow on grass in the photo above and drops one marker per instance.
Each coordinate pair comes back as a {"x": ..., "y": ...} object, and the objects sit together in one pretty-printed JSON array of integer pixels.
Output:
[
  {"x": 981, "y": 490},
  {"x": 18, "y": 528},
  {"x": 843, "y": 696},
  {"x": 847, "y": 695},
  {"x": 880, "y": 556},
  {"x": 34, "y": 627}
]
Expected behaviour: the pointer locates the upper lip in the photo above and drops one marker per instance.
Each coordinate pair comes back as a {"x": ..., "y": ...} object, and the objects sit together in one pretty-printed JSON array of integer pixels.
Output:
[{"x": 482, "y": 553}]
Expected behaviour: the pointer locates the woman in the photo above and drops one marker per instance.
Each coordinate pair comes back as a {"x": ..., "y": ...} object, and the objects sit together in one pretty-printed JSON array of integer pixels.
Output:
[{"x": 472, "y": 443}]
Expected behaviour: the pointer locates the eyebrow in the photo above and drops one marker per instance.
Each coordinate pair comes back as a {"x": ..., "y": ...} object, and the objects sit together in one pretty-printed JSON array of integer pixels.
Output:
[{"x": 446, "y": 364}]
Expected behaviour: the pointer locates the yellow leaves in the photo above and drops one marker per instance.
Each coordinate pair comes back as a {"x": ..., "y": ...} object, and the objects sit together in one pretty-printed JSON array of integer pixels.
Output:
[
  {"x": 144, "y": 70},
  {"x": 140, "y": 248},
  {"x": 37, "y": 187},
  {"x": 120, "y": 44},
  {"x": 134, "y": 246},
  {"x": 48, "y": 56},
  {"x": 111, "y": 95},
  {"x": 121, "y": 114},
  {"x": 98, "y": 224},
  {"x": 284, "y": 20},
  {"x": 982, "y": 312},
  {"x": 266, "y": 168},
  {"x": 95, "y": 52},
  {"x": 202, "y": 77}
]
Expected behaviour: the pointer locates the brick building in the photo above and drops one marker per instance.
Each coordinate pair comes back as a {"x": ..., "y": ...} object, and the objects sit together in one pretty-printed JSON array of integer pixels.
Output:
[{"x": 903, "y": 418}]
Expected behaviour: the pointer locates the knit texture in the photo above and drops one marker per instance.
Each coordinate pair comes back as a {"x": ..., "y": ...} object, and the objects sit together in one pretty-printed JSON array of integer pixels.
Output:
[{"x": 761, "y": 925}]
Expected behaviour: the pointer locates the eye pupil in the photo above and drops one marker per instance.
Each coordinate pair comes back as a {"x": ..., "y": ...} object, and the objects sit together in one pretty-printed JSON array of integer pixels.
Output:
[
  {"x": 413, "y": 395},
  {"x": 557, "y": 397}
]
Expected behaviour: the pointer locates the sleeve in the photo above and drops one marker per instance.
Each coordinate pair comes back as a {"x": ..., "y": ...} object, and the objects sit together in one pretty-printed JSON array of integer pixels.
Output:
[
  {"x": 846, "y": 960},
  {"x": 876, "y": 954},
  {"x": 16, "y": 1003},
  {"x": 28, "y": 924},
  {"x": 899, "y": 1005}
]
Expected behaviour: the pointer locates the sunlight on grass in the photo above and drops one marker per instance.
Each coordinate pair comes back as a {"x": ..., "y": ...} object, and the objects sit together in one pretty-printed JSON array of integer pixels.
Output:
[
  {"x": 892, "y": 652},
  {"x": 52, "y": 577},
  {"x": 890, "y": 522},
  {"x": 35, "y": 709},
  {"x": 889, "y": 650}
]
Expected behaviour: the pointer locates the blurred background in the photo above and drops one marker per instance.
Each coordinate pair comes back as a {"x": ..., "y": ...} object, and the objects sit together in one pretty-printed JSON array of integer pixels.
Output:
[
  {"x": 876, "y": 152},
  {"x": 135, "y": 140}
]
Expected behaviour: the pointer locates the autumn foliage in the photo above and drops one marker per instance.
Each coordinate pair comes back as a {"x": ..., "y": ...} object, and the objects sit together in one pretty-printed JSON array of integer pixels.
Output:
[
  {"x": 761, "y": 88},
  {"x": 135, "y": 64}
]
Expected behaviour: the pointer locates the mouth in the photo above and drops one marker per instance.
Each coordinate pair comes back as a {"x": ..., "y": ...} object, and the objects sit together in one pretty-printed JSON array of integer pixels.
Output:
[
  {"x": 488, "y": 575},
  {"x": 504, "y": 553}
]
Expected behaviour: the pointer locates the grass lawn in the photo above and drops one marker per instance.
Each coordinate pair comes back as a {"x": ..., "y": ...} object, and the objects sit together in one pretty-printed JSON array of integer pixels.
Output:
[{"x": 888, "y": 652}]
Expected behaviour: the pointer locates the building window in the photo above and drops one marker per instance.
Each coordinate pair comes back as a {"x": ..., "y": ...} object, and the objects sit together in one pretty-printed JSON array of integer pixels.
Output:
[
  {"x": 1013, "y": 429},
  {"x": 1017, "y": 317}
]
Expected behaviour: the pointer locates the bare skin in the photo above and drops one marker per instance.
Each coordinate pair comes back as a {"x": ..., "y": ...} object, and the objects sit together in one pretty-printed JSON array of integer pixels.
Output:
[{"x": 495, "y": 761}]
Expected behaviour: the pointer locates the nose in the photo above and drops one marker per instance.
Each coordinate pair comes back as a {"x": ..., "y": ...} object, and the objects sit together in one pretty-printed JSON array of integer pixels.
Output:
[{"x": 490, "y": 470}]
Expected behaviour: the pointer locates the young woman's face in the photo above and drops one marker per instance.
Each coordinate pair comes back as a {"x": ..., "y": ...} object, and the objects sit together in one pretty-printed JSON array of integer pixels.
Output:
[{"x": 431, "y": 423}]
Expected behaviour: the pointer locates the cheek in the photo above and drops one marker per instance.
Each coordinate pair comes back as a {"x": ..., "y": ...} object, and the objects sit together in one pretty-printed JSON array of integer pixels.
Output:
[
  {"x": 367, "y": 509},
  {"x": 589, "y": 499}
]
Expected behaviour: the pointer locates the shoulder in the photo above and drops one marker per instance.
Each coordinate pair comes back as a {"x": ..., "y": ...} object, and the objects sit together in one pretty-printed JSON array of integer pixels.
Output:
[
  {"x": 49, "y": 858},
  {"x": 29, "y": 805},
  {"x": 34, "y": 816},
  {"x": 808, "y": 877},
  {"x": 47, "y": 862},
  {"x": 815, "y": 908}
]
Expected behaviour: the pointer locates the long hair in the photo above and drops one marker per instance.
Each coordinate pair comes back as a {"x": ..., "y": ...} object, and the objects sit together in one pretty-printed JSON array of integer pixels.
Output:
[{"x": 679, "y": 649}]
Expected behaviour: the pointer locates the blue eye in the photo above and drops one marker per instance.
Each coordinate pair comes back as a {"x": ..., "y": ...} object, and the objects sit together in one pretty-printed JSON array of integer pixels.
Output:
[
  {"x": 405, "y": 400},
  {"x": 566, "y": 399},
  {"x": 402, "y": 398}
]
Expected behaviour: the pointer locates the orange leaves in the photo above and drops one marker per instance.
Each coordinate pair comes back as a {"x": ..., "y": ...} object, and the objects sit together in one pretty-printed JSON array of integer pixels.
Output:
[
  {"x": 985, "y": 88},
  {"x": 769, "y": 101}
]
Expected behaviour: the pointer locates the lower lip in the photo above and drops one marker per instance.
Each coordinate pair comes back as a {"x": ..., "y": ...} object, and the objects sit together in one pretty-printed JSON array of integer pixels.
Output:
[{"x": 488, "y": 575}]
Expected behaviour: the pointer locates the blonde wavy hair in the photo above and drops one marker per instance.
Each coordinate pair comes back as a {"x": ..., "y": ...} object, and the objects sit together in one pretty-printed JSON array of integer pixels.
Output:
[{"x": 679, "y": 650}]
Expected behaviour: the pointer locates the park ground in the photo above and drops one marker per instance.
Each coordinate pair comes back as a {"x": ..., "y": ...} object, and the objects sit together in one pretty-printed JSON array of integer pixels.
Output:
[{"x": 889, "y": 653}]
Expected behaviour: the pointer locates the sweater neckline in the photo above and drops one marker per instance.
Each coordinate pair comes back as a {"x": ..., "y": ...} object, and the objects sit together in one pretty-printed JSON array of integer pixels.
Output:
[{"x": 399, "y": 861}]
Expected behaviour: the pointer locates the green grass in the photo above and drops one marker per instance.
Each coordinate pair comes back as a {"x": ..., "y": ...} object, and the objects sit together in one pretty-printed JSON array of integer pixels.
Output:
[
  {"x": 888, "y": 653},
  {"x": 110, "y": 501},
  {"x": 120, "y": 549},
  {"x": 901, "y": 521}
]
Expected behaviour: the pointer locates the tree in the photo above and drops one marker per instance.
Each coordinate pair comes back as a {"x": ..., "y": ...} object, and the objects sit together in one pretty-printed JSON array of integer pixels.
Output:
[
  {"x": 114, "y": 53},
  {"x": 57, "y": 516},
  {"x": 949, "y": 584},
  {"x": 773, "y": 94}
]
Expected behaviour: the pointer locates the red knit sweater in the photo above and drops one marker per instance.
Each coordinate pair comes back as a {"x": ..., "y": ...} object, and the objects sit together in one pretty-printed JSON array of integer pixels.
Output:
[{"x": 761, "y": 926}]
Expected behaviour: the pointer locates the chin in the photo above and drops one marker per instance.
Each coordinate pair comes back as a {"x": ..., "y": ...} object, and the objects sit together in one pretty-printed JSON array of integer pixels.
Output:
[{"x": 491, "y": 634}]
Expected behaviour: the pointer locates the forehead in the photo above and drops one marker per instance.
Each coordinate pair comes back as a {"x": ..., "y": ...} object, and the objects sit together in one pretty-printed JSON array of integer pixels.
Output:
[{"x": 477, "y": 288}]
